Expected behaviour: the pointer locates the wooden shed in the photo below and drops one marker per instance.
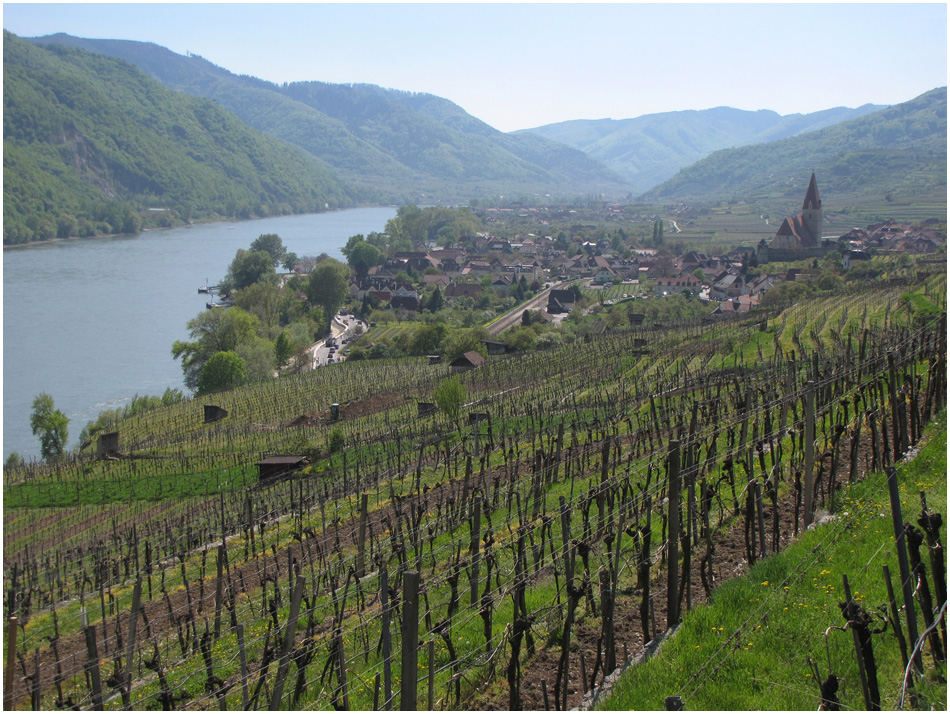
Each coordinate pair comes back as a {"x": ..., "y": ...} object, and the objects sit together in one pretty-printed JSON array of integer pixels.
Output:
[
  {"x": 107, "y": 445},
  {"x": 274, "y": 466},
  {"x": 469, "y": 360},
  {"x": 213, "y": 413}
]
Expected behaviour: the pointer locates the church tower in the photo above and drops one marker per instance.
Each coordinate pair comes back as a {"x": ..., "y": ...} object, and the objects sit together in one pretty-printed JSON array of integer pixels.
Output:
[{"x": 811, "y": 210}]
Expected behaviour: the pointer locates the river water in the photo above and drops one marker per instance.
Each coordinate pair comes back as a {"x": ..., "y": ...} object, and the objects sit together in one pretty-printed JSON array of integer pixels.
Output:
[{"x": 91, "y": 322}]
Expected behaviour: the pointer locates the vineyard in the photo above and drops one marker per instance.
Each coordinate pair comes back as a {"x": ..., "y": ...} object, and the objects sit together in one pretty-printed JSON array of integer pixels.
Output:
[{"x": 585, "y": 498}]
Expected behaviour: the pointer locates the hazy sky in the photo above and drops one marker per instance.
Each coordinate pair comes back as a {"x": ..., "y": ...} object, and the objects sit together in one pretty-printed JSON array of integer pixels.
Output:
[{"x": 520, "y": 66}]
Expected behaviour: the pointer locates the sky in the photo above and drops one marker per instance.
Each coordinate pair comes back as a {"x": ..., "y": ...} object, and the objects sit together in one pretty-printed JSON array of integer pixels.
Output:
[{"x": 519, "y": 66}]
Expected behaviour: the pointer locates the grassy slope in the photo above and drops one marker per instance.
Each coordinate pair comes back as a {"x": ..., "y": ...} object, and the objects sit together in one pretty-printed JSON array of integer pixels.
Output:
[{"x": 749, "y": 648}]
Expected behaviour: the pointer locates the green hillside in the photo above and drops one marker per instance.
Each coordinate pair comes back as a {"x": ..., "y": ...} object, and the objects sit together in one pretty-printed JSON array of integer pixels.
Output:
[
  {"x": 652, "y": 148},
  {"x": 899, "y": 152},
  {"x": 91, "y": 143},
  {"x": 406, "y": 147}
]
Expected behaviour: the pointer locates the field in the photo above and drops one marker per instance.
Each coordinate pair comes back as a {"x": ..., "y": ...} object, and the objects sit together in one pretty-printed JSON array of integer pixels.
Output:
[{"x": 586, "y": 498}]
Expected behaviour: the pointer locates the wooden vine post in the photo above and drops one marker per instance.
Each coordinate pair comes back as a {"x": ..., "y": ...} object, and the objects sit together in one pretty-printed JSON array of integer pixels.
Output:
[
  {"x": 387, "y": 638},
  {"x": 410, "y": 641},
  {"x": 130, "y": 651},
  {"x": 809, "y": 488},
  {"x": 906, "y": 584},
  {"x": 92, "y": 667},
  {"x": 287, "y": 644},
  {"x": 361, "y": 542},
  {"x": 672, "y": 580},
  {"x": 11, "y": 659}
]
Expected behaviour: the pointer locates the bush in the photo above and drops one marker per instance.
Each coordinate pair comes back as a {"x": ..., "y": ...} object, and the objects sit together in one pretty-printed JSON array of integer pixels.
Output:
[
  {"x": 224, "y": 370},
  {"x": 336, "y": 440}
]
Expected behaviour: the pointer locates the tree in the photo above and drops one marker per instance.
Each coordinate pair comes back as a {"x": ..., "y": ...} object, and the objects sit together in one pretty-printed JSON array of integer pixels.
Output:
[
  {"x": 258, "y": 356},
  {"x": 283, "y": 350},
  {"x": 658, "y": 233},
  {"x": 212, "y": 331},
  {"x": 436, "y": 301},
  {"x": 249, "y": 267},
  {"x": 426, "y": 339},
  {"x": 449, "y": 396},
  {"x": 224, "y": 370},
  {"x": 50, "y": 425},
  {"x": 363, "y": 256},
  {"x": 262, "y": 300},
  {"x": 465, "y": 340},
  {"x": 271, "y": 244},
  {"x": 327, "y": 286},
  {"x": 290, "y": 262}
]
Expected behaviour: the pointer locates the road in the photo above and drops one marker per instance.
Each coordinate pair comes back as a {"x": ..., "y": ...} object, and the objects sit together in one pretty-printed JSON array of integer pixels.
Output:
[
  {"x": 513, "y": 318},
  {"x": 340, "y": 328}
]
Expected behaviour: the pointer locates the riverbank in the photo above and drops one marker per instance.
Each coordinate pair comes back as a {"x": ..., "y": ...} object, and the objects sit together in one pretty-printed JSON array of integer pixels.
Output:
[
  {"x": 120, "y": 305},
  {"x": 190, "y": 224}
]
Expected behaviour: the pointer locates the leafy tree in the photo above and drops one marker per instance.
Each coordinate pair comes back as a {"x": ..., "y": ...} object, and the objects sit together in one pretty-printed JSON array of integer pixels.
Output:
[
  {"x": 50, "y": 425},
  {"x": 212, "y": 331},
  {"x": 426, "y": 339},
  {"x": 290, "y": 262},
  {"x": 449, "y": 396},
  {"x": 363, "y": 256},
  {"x": 224, "y": 370},
  {"x": 283, "y": 350},
  {"x": 262, "y": 300},
  {"x": 521, "y": 339},
  {"x": 465, "y": 340},
  {"x": 327, "y": 287},
  {"x": 249, "y": 267},
  {"x": 258, "y": 355},
  {"x": 14, "y": 460},
  {"x": 271, "y": 244}
]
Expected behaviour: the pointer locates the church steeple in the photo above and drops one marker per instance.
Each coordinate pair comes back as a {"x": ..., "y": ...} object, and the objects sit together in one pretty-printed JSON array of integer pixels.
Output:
[
  {"x": 812, "y": 201},
  {"x": 811, "y": 211}
]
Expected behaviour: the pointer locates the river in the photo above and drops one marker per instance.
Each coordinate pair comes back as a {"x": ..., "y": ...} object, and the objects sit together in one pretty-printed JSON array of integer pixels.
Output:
[{"x": 91, "y": 322}]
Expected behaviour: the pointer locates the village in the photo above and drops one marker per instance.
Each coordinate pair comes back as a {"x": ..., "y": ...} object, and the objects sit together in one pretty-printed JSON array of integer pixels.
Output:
[{"x": 488, "y": 269}]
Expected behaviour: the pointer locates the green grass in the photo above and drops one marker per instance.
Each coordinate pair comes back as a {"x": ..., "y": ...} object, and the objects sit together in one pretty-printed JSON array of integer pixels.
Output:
[{"x": 749, "y": 648}]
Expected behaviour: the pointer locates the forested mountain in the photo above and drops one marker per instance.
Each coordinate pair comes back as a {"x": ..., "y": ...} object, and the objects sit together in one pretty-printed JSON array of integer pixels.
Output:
[
  {"x": 649, "y": 149},
  {"x": 411, "y": 147},
  {"x": 898, "y": 152},
  {"x": 91, "y": 143}
]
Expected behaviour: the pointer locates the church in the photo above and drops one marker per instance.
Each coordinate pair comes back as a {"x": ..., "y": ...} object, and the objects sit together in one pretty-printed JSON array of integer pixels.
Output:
[{"x": 799, "y": 236}]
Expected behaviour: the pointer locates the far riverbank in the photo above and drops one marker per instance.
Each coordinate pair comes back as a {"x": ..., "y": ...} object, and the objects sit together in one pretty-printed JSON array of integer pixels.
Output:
[{"x": 191, "y": 224}]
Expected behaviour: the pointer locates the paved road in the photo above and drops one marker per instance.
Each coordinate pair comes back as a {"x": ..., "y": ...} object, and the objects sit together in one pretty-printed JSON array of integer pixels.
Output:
[
  {"x": 513, "y": 318},
  {"x": 320, "y": 352}
]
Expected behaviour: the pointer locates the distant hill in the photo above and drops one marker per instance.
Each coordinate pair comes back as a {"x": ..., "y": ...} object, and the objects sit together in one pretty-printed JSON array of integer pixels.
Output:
[
  {"x": 650, "y": 149},
  {"x": 91, "y": 143},
  {"x": 899, "y": 152},
  {"x": 409, "y": 147}
]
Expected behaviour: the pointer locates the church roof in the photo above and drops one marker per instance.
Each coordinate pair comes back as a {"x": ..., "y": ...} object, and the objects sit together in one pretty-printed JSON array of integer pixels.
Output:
[
  {"x": 812, "y": 200},
  {"x": 798, "y": 229}
]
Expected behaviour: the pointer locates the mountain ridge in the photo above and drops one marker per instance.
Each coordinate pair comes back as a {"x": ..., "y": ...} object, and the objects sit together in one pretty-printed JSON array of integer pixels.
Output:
[
  {"x": 899, "y": 150},
  {"x": 361, "y": 144},
  {"x": 651, "y": 148},
  {"x": 91, "y": 143}
]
